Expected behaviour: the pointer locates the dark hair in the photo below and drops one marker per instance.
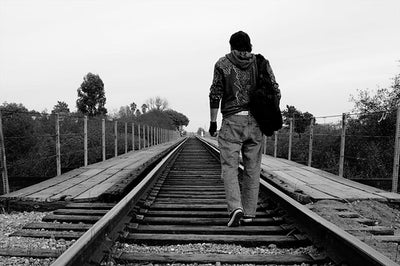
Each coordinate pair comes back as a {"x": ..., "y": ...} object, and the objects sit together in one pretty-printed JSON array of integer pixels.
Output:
[{"x": 240, "y": 41}]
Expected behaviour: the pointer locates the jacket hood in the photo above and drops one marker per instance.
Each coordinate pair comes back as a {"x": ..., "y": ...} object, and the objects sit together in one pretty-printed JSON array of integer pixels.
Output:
[{"x": 241, "y": 59}]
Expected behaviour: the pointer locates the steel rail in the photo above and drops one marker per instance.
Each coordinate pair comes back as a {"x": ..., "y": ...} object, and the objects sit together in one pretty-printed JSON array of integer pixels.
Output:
[
  {"x": 78, "y": 253},
  {"x": 341, "y": 247}
]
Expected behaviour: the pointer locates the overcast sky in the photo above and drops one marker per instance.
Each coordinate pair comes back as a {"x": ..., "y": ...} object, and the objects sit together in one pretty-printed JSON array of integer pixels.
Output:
[{"x": 321, "y": 51}]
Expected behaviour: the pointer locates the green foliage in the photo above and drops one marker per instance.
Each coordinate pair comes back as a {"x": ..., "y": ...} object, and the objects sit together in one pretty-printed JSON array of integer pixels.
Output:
[
  {"x": 126, "y": 113},
  {"x": 156, "y": 118},
  {"x": 133, "y": 107},
  {"x": 369, "y": 145},
  {"x": 301, "y": 120},
  {"x": 370, "y": 135},
  {"x": 326, "y": 147},
  {"x": 60, "y": 108},
  {"x": 179, "y": 120},
  {"x": 26, "y": 138},
  {"x": 383, "y": 99},
  {"x": 71, "y": 141},
  {"x": 91, "y": 96},
  {"x": 30, "y": 137},
  {"x": 368, "y": 156},
  {"x": 18, "y": 129},
  {"x": 157, "y": 103},
  {"x": 144, "y": 108}
]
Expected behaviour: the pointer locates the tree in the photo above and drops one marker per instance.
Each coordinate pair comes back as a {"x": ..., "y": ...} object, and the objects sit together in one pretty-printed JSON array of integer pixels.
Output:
[
  {"x": 125, "y": 112},
  {"x": 301, "y": 120},
  {"x": 138, "y": 113},
  {"x": 383, "y": 99},
  {"x": 157, "y": 103},
  {"x": 179, "y": 120},
  {"x": 60, "y": 107},
  {"x": 370, "y": 133},
  {"x": 133, "y": 107},
  {"x": 91, "y": 96},
  {"x": 156, "y": 118},
  {"x": 144, "y": 108},
  {"x": 377, "y": 112},
  {"x": 19, "y": 135}
]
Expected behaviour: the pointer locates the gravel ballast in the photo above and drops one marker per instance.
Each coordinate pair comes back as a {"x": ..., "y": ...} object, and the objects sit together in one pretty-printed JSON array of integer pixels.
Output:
[
  {"x": 14, "y": 221},
  {"x": 384, "y": 215}
]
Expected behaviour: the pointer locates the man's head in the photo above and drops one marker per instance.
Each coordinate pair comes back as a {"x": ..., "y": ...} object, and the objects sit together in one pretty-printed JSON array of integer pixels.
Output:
[{"x": 240, "y": 41}]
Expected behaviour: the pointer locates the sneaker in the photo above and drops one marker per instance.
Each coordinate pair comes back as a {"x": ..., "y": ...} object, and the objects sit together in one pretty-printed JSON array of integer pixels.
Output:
[
  {"x": 247, "y": 219},
  {"x": 234, "y": 217}
]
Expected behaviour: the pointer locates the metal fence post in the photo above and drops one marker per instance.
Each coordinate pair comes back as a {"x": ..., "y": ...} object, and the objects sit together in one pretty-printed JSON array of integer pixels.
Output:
[
  {"x": 103, "y": 138},
  {"x": 85, "y": 140},
  {"x": 342, "y": 145},
  {"x": 290, "y": 139},
  {"x": 275, "y": 144},
  {"x": 310, "y": 145},
  {"x": 133, "y": 136},
  {"x": 395, "y": 180},
  {"x": 148, "y": 136},
  {"x": 139, "y": 140},
  {"x": 154, "y": 136},
  {"x": 157, "y": 131},
  {"x": 116, "y": 138},
  {"x": 126, "y": 137},
  {"x": 144, "y": 136},
  {"x": 58, "y": 145},
  {"x": 3, "y": 164},
  {"x": 151, "y": 136}
]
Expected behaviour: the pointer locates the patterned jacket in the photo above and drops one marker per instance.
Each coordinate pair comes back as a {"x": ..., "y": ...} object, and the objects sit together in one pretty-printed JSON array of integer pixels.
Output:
[{"x": 234, "y": 77}]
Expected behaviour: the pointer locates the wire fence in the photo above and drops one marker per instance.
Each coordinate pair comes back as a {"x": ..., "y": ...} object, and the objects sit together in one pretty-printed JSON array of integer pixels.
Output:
[
  {"x": 37, "y": 146},
  {"x": 361, "y": 147}
]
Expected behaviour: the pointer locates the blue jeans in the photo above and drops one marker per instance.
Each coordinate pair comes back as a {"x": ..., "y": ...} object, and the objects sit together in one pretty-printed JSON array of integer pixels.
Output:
[{"x": 240, "y": 133}]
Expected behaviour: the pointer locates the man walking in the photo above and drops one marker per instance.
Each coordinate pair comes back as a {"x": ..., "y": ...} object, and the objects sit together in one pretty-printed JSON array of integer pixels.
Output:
[{"x": 234, "y": 77}]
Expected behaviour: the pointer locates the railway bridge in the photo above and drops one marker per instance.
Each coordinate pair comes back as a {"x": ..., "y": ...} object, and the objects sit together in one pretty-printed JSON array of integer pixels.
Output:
[{"x": 143, "y": 194}]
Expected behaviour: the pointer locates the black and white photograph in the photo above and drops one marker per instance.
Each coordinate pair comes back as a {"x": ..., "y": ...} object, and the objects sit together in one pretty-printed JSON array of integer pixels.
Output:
[{"x": 212, "y": 133}]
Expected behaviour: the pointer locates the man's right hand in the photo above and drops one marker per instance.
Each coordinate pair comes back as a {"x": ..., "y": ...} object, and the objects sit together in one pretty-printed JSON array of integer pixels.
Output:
[{"x": 213, "y": 129}]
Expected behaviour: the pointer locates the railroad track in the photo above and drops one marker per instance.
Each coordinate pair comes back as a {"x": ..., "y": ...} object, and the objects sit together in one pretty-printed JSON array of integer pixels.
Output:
[{"x": 182, "y": 201}]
